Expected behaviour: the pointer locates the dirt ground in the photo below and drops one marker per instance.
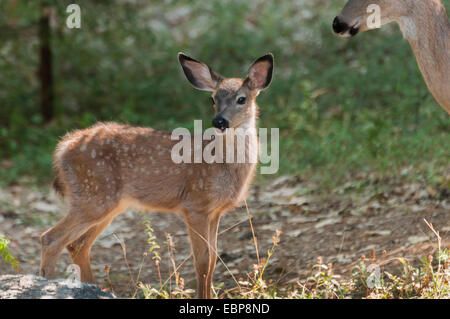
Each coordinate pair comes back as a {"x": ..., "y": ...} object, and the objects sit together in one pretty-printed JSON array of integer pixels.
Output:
[{"x": 363, "y": 215}]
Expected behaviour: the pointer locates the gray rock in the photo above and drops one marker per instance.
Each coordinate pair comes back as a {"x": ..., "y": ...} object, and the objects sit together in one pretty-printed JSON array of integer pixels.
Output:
[{"x": 35, "y": 287}]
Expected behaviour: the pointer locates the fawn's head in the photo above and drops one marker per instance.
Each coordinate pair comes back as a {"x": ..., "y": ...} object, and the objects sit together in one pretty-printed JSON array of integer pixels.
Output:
[
  {"x": 233, "y": 98},
  {"x": 356, "y": 13}
]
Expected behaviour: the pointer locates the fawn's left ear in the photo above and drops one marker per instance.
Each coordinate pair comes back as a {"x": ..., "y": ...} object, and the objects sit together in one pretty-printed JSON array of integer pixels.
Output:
[
  {"x": 201, "y": 76},
  {"x": 260, "y": 73}
]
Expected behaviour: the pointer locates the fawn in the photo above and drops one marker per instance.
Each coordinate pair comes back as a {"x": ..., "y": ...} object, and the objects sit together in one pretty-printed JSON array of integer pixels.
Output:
[{"x": 105, "y": 169}]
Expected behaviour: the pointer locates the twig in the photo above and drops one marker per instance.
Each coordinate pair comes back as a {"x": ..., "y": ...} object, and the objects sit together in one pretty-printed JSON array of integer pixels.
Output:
[
  {"x": 435, "y": 232},
  {"x": 215, "y": 251},
  {"x": 255, "y": 241},
  {"x": 233, "y": 226},
  {"x": 124, "y": 250}
]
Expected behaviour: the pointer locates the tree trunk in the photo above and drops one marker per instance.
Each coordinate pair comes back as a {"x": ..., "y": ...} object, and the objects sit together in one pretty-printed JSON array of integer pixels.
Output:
[{"x": 45, "y": 66}]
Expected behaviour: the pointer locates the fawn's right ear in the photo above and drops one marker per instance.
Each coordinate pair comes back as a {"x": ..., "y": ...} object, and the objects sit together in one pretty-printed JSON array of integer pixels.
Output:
[{"x": 201, "y": 76}]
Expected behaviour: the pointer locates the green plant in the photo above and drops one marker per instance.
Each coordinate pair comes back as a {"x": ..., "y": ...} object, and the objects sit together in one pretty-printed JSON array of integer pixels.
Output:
[
  {"x": 256, "y": 286},
  {"x": 429, "y": 280},
  {"x": 151, "y": 238},
  {"x": 165, "y": 290},
  {"x": 324, "y": 282},
  {"x": 6, "y": 254}
]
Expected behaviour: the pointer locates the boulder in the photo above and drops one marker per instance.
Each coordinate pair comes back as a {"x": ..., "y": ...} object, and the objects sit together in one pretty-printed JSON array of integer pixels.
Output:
[{"x": 35, "y": 287}]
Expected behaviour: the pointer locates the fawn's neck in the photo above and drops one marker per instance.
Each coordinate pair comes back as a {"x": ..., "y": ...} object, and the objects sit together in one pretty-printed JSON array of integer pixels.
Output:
[
  {"x": 246, "y": 138},
  {"x": 246, "y": 143},
  {"x": 427, "y": 30}
]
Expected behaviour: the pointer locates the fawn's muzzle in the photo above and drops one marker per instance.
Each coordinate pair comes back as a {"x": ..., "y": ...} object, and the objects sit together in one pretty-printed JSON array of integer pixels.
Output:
[{"x": 220, "y": 123}]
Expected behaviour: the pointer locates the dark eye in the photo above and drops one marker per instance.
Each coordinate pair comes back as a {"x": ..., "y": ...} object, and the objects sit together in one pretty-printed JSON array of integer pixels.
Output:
[{"x": 241, "y": 100}]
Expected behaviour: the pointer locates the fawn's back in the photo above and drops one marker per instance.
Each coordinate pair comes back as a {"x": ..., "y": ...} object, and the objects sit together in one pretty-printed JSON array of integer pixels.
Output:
[{"x": 108, "y": 163}]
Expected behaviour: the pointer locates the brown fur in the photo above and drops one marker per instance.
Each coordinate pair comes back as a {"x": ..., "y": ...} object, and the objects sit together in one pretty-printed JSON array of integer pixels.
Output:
[
  {"x": 104, "y": 169},
  {"x": 425, "y": 25},
  {"x": 58, "y": 186}
]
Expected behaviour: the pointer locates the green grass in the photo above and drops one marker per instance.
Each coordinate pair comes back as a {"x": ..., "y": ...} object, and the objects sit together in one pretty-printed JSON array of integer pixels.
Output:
[{"x": 341, "y": 105}]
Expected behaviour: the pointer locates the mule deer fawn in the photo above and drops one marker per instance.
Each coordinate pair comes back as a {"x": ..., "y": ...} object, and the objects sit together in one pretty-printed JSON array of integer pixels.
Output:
[{"x": 105, "y": 169}]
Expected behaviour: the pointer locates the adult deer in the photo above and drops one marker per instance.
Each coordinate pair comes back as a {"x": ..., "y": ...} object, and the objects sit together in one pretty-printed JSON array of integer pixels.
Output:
[
  {"x": 424, "y": 24},
  {"x": 103, "y": 170}
]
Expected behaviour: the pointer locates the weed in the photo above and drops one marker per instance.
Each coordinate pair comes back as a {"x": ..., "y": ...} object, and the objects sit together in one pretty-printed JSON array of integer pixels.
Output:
[{"x": 6, "y": 254}]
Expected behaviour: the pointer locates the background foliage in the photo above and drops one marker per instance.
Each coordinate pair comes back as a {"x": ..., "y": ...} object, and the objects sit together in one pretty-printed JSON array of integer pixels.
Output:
[{"x": 341, "y": 105}]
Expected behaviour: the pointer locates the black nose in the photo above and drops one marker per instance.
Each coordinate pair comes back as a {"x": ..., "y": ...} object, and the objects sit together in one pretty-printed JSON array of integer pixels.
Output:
[
  {"x": 220, "y": 123},
  {"x": 339, "y": 26}
]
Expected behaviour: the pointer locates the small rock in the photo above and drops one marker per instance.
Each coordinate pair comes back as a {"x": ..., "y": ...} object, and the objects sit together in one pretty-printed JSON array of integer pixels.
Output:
[
  {"x": 417, "y": 239},
  {"x": 377, "y": 233},
  {"x": 326, "y": 222},
  {"x": 45, "y": 207},
  {"x": 295, "y": 233}
]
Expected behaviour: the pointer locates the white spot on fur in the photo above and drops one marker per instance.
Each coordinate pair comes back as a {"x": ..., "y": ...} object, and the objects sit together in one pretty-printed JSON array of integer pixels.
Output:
[
  {"x": 93, "y": 153},
  {"x": 83, "y": 148},
  {"x": 408, "y": 28}
]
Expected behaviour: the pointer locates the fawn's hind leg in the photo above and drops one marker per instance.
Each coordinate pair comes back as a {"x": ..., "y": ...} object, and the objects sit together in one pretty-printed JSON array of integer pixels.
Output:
[
  {"x": 80, "y": 249},
  {"x": 59, "y": 236}
]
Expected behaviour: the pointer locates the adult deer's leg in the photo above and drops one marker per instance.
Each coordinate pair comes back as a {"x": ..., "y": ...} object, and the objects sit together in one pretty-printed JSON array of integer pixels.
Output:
[
  {"x": 80, "y": 249},
  {"x": 199, "y": 232}
]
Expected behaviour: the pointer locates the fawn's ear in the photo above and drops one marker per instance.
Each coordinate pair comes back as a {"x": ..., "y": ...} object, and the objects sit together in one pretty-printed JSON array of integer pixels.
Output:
[
  {"x": 260, "y": 73},
  {"x": 200, "y": 75}
]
